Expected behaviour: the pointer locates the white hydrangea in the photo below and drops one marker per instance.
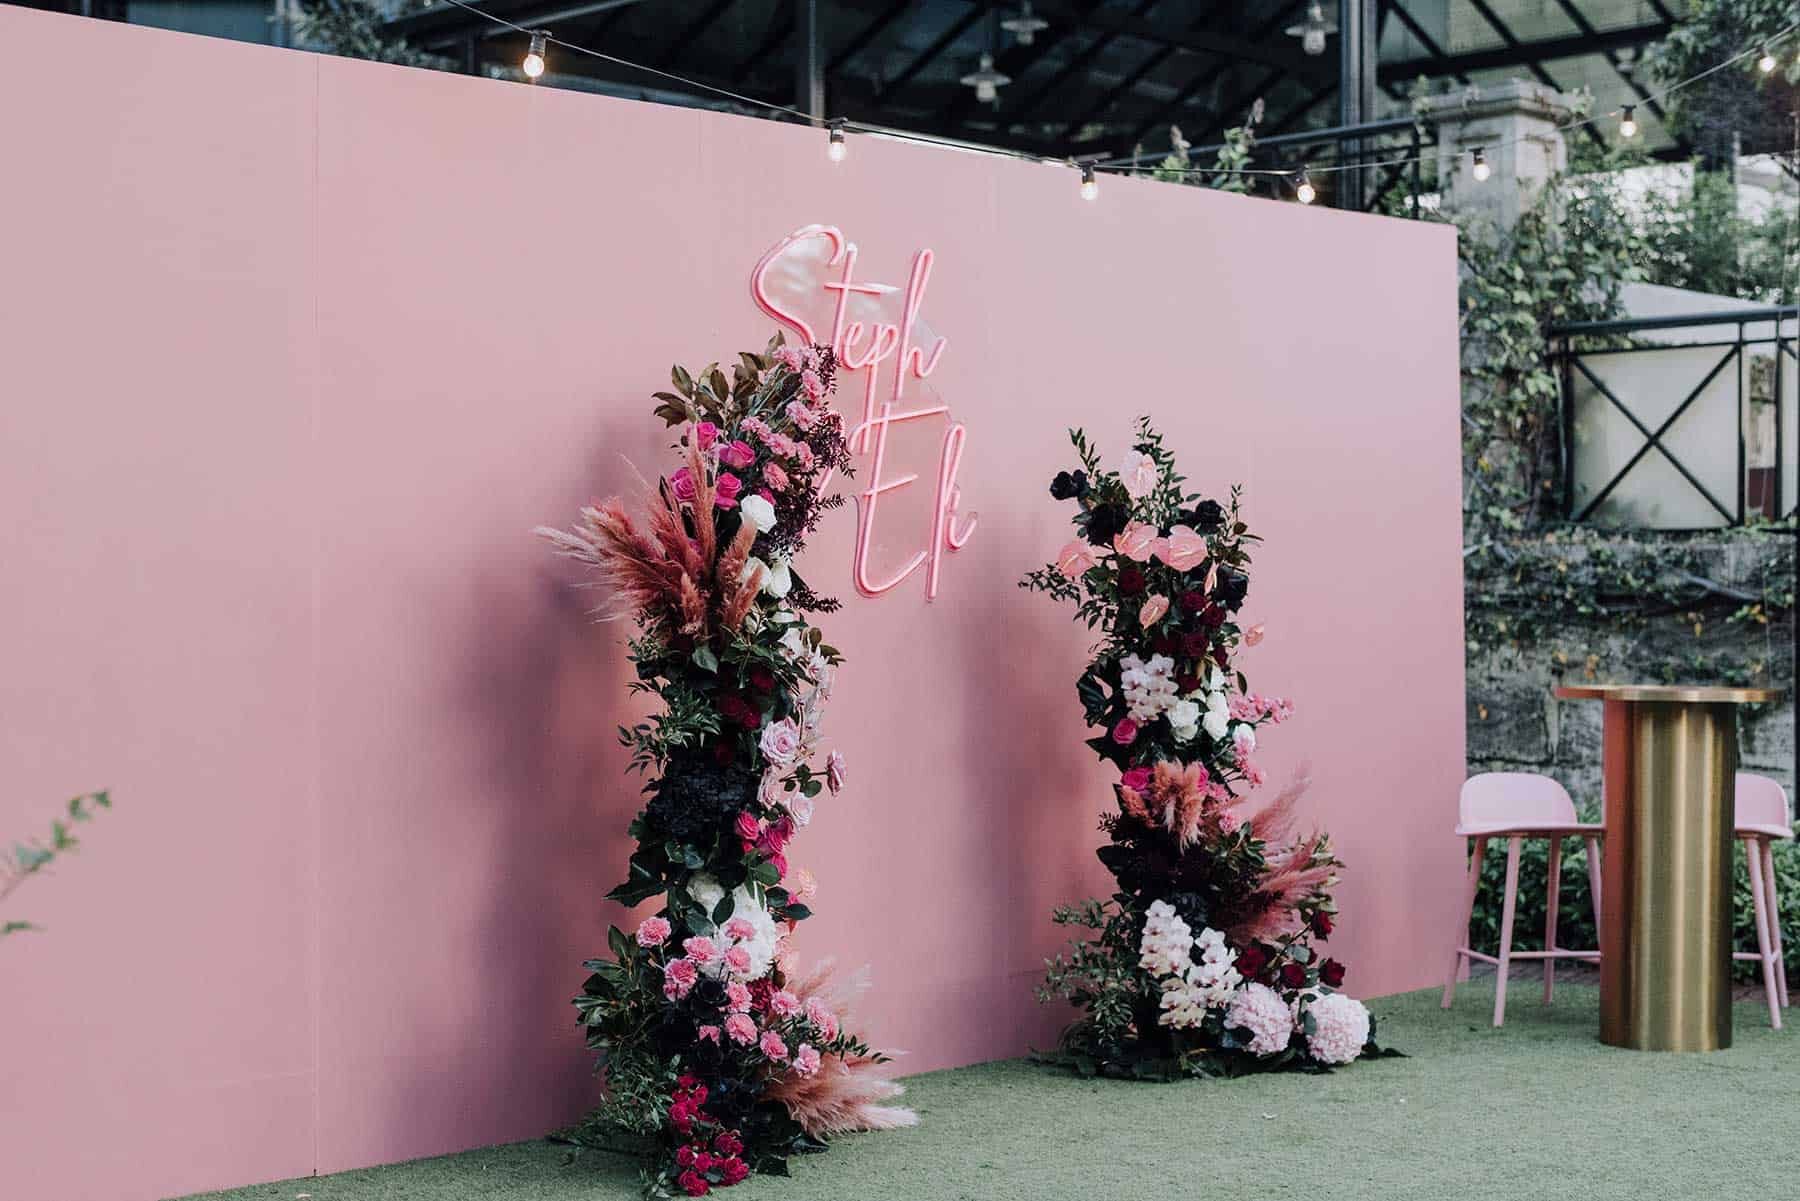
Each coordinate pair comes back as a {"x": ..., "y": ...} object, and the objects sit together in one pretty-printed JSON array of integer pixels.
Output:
[
  {"x": 708, "y": 892},
  {"x": 1149, "y": 688}
]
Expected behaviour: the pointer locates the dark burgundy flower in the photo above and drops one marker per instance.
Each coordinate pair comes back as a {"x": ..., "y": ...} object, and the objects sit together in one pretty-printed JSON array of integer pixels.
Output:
[
  {"x": 734, "y": 708},
  {"x": 1206, "y": 516},
  {"x": 722, "y": 754},
  {"x": 1331, "y": 973},
  {"x": 1194, "y": 646},
  {"x": 1220, "y": 658},
  {"x": 1187, "y": 683},
  {"x": 1191, "y": 602},
  {"x": 1104, "y": 523},
  {"x": 685, "y": 1157},
  {"x": 1251, "y": 961},
  {"x": 1068, "y": 485},
  {"x": 1321, "y": 924},
  {"x": 762, "y": 680},
  {"x": 693, "y": 1184},
  {"x": 1131, "y": 581},
  {"x": 728, "y": 1143},
  {"x": 1211, "y": 616},
  {"x": 1293, "y": 975},
  {"x": 1232, "y": 587},
  {"x": 1165, "y": 644}
]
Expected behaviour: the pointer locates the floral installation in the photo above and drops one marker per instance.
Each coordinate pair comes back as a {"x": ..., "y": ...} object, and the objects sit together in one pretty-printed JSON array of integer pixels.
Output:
[
  {"x": 1205, "y": 961},
  {"x": 721, "y": 1057}
]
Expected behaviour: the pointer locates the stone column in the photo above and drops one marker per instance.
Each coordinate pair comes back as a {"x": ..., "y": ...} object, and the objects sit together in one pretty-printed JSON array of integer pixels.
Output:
[{"x": 1515, "y": 125}]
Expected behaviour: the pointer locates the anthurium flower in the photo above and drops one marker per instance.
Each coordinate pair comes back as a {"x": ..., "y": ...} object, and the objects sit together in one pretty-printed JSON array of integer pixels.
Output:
[
  {"x": 1184, "y": 549},
  {"x": 1138, "y": 542},
  {"x": 1075, "y": 559},
  {"x": 1139, "y": 474},
  {"x": 1253, "y": 635},
  {"x": 1153, "y": 610}
]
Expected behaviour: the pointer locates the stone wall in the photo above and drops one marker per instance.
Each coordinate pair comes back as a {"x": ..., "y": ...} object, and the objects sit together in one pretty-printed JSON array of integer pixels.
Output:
[{"x": 1521, "y": 648}]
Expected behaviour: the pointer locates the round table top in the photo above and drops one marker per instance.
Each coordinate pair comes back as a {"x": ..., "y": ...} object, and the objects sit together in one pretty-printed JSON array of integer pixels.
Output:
[{"x": 1690, "y": 693}]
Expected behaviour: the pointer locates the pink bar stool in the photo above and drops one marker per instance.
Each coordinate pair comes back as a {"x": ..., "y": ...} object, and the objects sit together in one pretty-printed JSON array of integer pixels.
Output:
[
  {"x": 1762, "y": 817},
  {"x": 1516, "y": 806}
]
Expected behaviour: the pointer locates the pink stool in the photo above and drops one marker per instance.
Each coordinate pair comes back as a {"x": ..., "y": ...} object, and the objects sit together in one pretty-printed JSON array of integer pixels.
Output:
[
  {"x": 1762, "y": 817},
  {"x": 1516, "y": 806}
]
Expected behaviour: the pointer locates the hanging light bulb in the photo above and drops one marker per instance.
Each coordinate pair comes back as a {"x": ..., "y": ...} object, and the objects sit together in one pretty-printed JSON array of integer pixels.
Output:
[
  {"x": 1090, "y": 186},
  {"x": 1766, "y": 63},
  {"x": 1304, "y": 191},
  {"x": 987, "y": 82},
  {"x": 836, "y": 148},
  {"x": 533, "y": 64},
  {"x": 1026, "y": 25},
  {"x": 1480, "y": 170},
  {"x": 1313, "y": 31},
  {"x": 1628, "y": 125}
]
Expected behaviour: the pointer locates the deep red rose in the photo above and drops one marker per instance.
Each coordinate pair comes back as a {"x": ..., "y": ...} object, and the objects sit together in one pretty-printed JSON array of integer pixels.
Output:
[
  {"x": 1211, "y": 615},
  {"x": 1321, "y": 924},
  {"x": 728, "y": 1143},
  {"x": 703, "y": 1162},
  {"x": 735, "y": 708},
  {"x": 685, "y": 1157},
  {"x": 1131, "y": 581},
  {"x": 722, "y": 754},
  {"x": 1251, "y": 961},
  {"x": 1191, "y": 602},
  {"x": 762, "y": 680},
  {"x": 1293, "y": 975},
  {"x": 1137, "y": 779},
  {"x": 1220, "y": 658},
  {"x": 1165, "y": 644},
  {"x": 733, "y": 1171},
  {"x": 1331, "y": 973},
  {"x": 1194, "y": 645},
  {"x": 686, "y": 1081},
  {"x": 693, "y": 1184},
  {"x": 1188, "y": 683}
]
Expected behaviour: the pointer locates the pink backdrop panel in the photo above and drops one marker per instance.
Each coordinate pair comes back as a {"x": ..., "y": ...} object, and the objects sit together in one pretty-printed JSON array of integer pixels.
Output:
[{"x": 298, "y": 350}]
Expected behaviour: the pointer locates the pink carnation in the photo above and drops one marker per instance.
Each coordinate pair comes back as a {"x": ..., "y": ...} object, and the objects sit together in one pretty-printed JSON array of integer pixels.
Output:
[
  {"x": 678, "y": 977},
  {"x": 755, "y": 428},
  {"x": 775, "y": 477},
  {"x": 739, "y": 928},
  {"x": 700, "y": 951},
  {"x": 806, "y": 1060},
  {"x": 738, "y": 959},
  {"x": 785, "y": 1003},
  {"x": 708, "y": 1034},
  {"x": 1340, "y": 1028},
  {"x": 653, "y": 932},
  {"x": 812, "y": 385},
  {"x": 803, "y": 454},
  {"x": 790, "y": 357},
  {"x": 801, "y": 416},
  {"x": 1259, "y": 1010},
  {"x": 772, "y": 1046},
  {"x": 737, "y": 997},
  {"x": 740, "y": 1029},
  {"x": 820, "y": 1015}
]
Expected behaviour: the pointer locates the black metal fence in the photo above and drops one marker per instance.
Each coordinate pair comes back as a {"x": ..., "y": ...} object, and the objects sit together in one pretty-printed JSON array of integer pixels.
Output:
[{"x": 1671, "y": 432}]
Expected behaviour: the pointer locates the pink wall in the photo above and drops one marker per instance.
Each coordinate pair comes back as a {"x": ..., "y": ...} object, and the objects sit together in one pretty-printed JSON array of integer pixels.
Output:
[{"x": 297, "y": 350}]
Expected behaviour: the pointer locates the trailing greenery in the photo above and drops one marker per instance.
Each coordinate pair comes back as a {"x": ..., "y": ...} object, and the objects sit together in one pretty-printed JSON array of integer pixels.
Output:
[
  {"x": 27, "y": 859},
  {"x": 1700, "y": 238},
  {"x": 1737, "y": 109}
]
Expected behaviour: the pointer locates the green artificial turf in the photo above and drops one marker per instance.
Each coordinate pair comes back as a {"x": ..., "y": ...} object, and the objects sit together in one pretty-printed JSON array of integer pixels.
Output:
[{"x": 1538, "y": 1109}]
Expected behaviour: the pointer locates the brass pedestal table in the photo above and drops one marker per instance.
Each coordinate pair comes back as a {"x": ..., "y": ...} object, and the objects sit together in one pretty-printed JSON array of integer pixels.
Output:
[{"x": 1665, "y": 912}]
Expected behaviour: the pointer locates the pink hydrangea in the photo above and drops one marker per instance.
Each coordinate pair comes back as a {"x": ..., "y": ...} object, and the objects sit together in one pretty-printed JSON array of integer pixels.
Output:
[
  {"x": 737, "y": 997},
  {"x": 653, "y": 932},
  {"x": 740, "y": 1029},
  {"x": 772, "y": 1046},
  {"x": 806, "y": 1060},
  {"x": 1260, "y": 1010},
  {"x": 701, "y": 951},
  {"x": 820, "y": 1015},
  {"x": 1340, "y": 1028},
  {"x": 785, "y": 1003}
]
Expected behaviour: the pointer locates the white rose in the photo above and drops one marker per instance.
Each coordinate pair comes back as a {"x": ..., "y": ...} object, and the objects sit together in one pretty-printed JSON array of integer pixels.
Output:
[
  {"x": 750, "y": 565},
  {"x": 800, "y": 808},
  {"x": 759, "y": 512},
  {"x": 1216, "y": 721},
  {"x": 1184, "y": 719},
  {"x": 778, "y": 581},
  {"x": 781, "y": 742}
]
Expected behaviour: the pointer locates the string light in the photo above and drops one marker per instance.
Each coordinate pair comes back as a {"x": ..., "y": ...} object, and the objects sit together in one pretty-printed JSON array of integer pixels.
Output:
[
  {"x": 1090, "y": 186},
  {"x": 533, "y": 64},
  {"x": 1480, "y": 170},
  {"x": 1628, "y": 125},
  {"x": 1304, "y": 191},
  {"x": 837, "y": 148},
  {"x": 1766, "y": 63}
]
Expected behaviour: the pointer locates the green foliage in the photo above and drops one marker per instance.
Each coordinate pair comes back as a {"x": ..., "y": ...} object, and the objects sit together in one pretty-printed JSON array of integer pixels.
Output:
[
  {"x": 27, "y": 859},
  {"x": 1737, "y": 107},
  {"x": 353, "y": 28},
  {"x": 1232, "y": 158},
  {"x": 1698, "y": 238},
  {"x": 1575, "y": 915}
]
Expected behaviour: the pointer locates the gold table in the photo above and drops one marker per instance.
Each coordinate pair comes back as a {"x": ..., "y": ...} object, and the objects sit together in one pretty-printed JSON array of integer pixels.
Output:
[{"x": 1665, "y": 913}]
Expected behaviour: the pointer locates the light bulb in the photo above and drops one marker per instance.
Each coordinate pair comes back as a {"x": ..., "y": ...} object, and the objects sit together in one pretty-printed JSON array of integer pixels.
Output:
[
  {"x": 1766, "y": 63},
  {"x": 1090, "y": 186},
  {"x": 1481, "y": 170},
  {"x": 533, "y": 64},
  {"x": 1628, "y": 126},
  {"x": 836, "y": 148},
  {"x": 1313, "y": 40},
  {"x": 1303, "y": 188}
]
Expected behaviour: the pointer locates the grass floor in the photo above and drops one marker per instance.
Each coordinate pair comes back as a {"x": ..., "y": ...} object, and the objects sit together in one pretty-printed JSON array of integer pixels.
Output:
[{"x": 1538, "y": 1109}]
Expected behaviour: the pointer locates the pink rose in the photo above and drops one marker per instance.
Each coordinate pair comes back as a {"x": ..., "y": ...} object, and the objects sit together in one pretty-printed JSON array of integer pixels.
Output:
[
  {"x": 781, "y": 742},
  {"x": 708, "y": 1034},
  {"x": 727, "y": 489},
  {"x": 1075, "y": 559},
  {"x": 1137, "y": 542},
  {"x": 737, "y": 997},
  {"x": 738, "y": 454},
  {"x": 653, "y": 932},
  {"x": 772, "y": 1046},
  {"x": 780, "y": 862},
  {"x": 1125, "y": 733},
  {"x": 746, "y": 826},
  {"x": 776, "y": 835},
  {"x": 700, "y": 950},
  {"x": 1137, "y": 779},
  {"x": 835, "y": 772},
  {"x": 705, "y": 434},
  {"x": 738, "y": 959},
  {"x": 806, "y": 1060},
  {"x": 801, "y": 416},
  {"x": 785, "y": 1003},
  {"x": 775, "y": 477},
  {"x": 683, "y": 484},
  {"x": 740, "y": 1029},
  {"x": 1153, "y": 611},
  {"x": 1253, "y": 635},
  {"x": 1185, "y": 549},
  {"x": 739, "y": 928},
  {"x": 800, "y": 808}
]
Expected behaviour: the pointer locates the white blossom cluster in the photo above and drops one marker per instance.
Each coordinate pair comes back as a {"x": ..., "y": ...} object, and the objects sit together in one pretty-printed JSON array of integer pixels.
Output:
[
  {"x": 1149, "y": 688},
  {"x": 1189, "y": 988},
  {"x": 708, "y": 892}
]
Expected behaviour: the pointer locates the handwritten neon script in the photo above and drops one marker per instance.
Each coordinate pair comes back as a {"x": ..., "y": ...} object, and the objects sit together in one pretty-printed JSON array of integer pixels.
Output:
[{"x": 812, "y": 272}]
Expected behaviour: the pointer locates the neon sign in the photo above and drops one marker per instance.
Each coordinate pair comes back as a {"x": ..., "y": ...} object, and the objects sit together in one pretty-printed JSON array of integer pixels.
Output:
[{"x": 795, "y": 281}]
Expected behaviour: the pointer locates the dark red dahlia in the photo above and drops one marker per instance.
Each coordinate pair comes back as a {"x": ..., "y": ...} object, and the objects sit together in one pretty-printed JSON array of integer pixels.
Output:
[{"x": 1293, "y": 975}]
